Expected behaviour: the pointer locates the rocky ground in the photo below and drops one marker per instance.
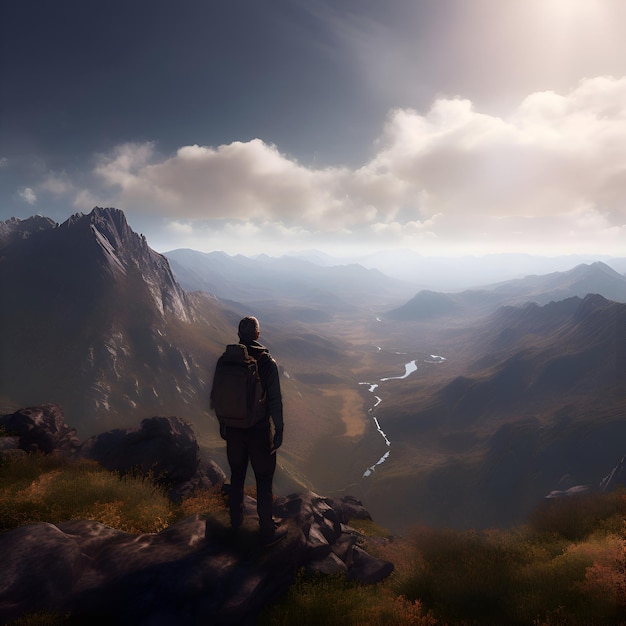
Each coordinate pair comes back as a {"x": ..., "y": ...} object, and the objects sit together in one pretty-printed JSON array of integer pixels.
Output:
[{"x": 193, "y": 572}]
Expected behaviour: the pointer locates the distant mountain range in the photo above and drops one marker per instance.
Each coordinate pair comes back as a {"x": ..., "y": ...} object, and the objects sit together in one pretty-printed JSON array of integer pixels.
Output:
[
  {"x": 457, "y": 273},
  {"x": 596, "y": 278},
  {"x": 306, "y": 291}
]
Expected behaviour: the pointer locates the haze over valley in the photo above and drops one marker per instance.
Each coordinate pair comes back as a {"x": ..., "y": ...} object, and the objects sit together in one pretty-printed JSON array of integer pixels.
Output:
[{"x": 460, "y": 407}]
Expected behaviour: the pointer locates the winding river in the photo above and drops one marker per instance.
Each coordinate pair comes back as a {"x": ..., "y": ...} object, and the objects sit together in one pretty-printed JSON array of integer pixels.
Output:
[{"x": 409, "y": 368}]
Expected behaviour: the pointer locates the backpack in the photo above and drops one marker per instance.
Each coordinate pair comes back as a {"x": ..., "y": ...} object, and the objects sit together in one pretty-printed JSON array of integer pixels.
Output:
[{"x": 237, "y": 395}]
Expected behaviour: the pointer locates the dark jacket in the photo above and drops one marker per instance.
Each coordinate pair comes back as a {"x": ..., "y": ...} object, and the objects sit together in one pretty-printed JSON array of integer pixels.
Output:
[{"x": 268, "y": 373}]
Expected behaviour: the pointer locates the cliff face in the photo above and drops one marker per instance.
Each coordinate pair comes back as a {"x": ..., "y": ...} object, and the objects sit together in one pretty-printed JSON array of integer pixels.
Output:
[
  {"x": 94, "y": 320},
  {"x": 103, "y": 239}
]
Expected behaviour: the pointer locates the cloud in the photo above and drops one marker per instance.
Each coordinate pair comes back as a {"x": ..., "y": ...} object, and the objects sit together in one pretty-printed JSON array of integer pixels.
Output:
[
  {"x": 4, "y": 162},
  {"x": 180, "y": 229},
  {"x": 56, "y": 184},
  {"x": 28, "y": 195},
  {"x": 552, "y": 170},
  {"x": 240, "y": 181}
]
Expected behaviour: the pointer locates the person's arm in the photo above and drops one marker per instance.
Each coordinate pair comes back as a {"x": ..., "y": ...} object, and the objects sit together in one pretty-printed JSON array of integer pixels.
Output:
[
  {"x": 274, "y": 396},
  {"x": 274, "y": 400}
]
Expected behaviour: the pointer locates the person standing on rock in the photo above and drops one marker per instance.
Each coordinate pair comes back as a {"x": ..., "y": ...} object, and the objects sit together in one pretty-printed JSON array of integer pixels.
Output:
[{"x": 256, "y": 444}]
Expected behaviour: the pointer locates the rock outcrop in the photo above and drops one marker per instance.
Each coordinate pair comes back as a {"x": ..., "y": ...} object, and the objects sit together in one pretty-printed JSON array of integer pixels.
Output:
[
  {"x": 194, "y": 572},
  {"x": 41, "y": 429},
  {"x": 166, "y": 447}
]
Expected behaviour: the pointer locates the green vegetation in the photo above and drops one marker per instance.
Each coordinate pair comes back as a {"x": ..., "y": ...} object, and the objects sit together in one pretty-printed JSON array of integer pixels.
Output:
[
  {"x": 567, "y": 566},
  {"x": 40, "y": 488},
  {"x": 335, "y": 601}
]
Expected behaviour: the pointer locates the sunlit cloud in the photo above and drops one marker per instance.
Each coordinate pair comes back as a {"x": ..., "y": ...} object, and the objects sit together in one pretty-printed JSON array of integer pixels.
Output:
[
  {"x": 180, "y": 228},
  {"x": 550, "y": 174}
]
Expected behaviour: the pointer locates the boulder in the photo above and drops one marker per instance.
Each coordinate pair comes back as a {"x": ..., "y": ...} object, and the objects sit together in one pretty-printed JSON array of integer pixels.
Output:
[
  {"x": 328, "y": 539},
  {"x": 208, "y": 475},
  {"x": 368, "y": 569},
  {"x": 10, "y": 447},
  {"x": 41, "y": 429},
  {"x": 349, "y": 508},
  {"x": 165, "y": 446}
]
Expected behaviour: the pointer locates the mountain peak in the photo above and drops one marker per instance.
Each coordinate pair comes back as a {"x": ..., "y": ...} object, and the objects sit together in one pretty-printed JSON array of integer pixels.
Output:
[
  {"x": 97, "y": 244},
  {"x": 112, "y": 232},
  {"x": 596, "y": 268},
  {"x": 16, "y": 228}
]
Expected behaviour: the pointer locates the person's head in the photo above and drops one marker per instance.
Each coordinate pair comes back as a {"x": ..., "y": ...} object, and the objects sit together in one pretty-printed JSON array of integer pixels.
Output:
[{"x": 249, "y": 329}]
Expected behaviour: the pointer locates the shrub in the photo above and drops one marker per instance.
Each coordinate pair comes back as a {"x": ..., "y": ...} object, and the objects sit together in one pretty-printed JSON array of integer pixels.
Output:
[
  {"x": 461, "y": 575},
  {"x": 518, "y": 576},
  {"x": 576, "y": 517}
]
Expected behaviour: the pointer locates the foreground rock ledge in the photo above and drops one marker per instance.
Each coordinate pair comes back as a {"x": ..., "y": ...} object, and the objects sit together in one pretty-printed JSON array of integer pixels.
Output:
[{"x": 194, "y": 572}]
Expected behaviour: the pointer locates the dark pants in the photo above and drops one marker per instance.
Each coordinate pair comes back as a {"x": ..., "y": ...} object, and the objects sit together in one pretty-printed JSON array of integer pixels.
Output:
[{"x": 254, "y": 445}]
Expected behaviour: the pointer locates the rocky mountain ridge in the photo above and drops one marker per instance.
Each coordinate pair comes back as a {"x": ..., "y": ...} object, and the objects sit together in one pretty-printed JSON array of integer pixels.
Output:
[
  {"x": 94, "y": 308},
  {"x": 102, "y": 236},
  {"x": 16, "y": 228}
]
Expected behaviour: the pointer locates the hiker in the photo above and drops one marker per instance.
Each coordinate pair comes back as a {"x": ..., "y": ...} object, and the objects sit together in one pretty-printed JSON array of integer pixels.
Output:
[{"x": 256, "y": 443}]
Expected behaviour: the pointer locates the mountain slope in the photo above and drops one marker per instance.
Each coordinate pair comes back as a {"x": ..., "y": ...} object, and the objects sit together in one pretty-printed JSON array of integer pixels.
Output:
[
  {"x": 95, "y": 321},
  {"x": 541, "y": 406},
  {"x": 536, "y": 359}
]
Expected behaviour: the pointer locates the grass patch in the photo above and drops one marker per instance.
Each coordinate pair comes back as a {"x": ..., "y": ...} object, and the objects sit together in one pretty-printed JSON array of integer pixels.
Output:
[
  {"x": 41, "y": 619},
  {"x": 335, "y": 601},
  {"x": 576, "y": 517},
  {"x": 48, "y": 488},
  {"x": 203, "y": 502}
]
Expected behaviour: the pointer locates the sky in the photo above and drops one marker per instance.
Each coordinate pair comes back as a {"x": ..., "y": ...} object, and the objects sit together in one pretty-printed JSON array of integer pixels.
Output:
[{"x": 449, "y": 127}]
